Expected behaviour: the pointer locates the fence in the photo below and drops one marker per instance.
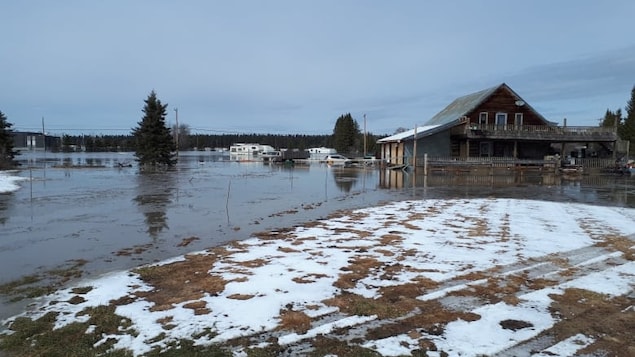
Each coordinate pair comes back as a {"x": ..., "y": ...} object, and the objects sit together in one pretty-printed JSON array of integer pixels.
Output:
[{"x": 549, "y": 163}]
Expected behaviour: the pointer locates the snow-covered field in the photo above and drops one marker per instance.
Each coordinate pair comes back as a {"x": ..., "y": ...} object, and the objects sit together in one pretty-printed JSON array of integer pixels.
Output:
[{"x": 462, "y": 277}]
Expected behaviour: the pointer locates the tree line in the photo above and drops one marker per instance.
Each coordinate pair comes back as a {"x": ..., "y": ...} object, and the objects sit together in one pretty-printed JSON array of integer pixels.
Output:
[{"x": 101, "y": 143}]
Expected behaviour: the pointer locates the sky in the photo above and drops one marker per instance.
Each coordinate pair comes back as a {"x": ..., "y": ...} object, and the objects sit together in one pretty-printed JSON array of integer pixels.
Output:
[
  {"x": 293, "y": 67},
  {"x": 412, "y": 241}
]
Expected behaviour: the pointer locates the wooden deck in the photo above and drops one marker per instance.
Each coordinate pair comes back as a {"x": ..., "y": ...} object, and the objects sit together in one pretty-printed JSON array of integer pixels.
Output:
[{"x": 536, "y": 133}]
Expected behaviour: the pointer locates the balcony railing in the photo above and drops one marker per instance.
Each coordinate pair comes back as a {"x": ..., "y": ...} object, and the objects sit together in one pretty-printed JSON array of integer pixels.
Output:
[{"x": 536, "y": 132}]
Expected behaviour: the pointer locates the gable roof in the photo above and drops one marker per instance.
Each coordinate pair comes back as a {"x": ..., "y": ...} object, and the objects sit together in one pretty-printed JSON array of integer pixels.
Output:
[{"x": 462, "y": 106}]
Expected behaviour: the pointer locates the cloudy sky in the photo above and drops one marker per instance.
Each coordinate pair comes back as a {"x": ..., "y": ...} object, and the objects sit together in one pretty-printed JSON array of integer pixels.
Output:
[{"x": 289, "y": 66}]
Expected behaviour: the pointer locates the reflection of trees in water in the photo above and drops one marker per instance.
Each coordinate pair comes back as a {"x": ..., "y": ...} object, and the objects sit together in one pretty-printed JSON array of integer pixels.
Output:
[
  {"x": 154, "y": 193},
  {"x": 345, "y": 178},
  {"x": 4, "y": 206}
]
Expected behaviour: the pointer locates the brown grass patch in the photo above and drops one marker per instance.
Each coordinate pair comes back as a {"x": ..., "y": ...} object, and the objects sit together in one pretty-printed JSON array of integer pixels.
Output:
[
  {"x": 308, "y": 279},
  {"x": 394, "y": 301},
  {"x": 275, "y": 235},
  {"x": 409, "y": 225},
  {"x": 492, "y": 292},
  {"x": 256, "y": 263},
  {"x": 390, "y": 223},
  {"x": 384, "y": 252},
  {"x": 356, "y": 232},
  {"x": 359, "y": 268},
  {"x": 390, "y": 239},
  {"x": 620, "y": 243},
  {"x": 479, "y": 227},
  {"x": 391, "y": 271},
  {"x": 357, "y": 216},
  {"x": 296, "y": 321},
  {"x": 431, "y": 318},
  {"x": 333, "y": 347},
  {"x": 82, "y": 290},
  {"x": 353, "y": 304},
  {"x": 199, "y": 307},
  {"x": 180, "y": 281},
  {"x": 165, "y": 320},
  {"x": 240, "y": 296},
  {"x": 611, "y": 321},
  {"x": 76, "y": 300},
  {"x": 473, "y": 276}
]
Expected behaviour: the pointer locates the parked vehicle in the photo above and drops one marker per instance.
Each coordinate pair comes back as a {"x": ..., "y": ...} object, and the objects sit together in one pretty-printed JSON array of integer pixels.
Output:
[
  {"x": 337, "y": 159},
  {"x": 249, "y": 149},
  {"x": 319, "y": 153},
  {"x": 284, "y": 155}
]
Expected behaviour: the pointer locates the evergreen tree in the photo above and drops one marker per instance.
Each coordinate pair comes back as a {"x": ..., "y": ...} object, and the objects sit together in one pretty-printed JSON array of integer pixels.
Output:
[
  {"x": 346, "y": 134},
  {"x": 627, "y": 129},
  {"x": 154, "y": 144},
  {"x": 612, "y": 119},
  {"x": 7, "y": 154}
]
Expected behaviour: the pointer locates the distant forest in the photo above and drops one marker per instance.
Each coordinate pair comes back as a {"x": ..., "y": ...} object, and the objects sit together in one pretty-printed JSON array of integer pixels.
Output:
[{"x": 102, "y": 143}]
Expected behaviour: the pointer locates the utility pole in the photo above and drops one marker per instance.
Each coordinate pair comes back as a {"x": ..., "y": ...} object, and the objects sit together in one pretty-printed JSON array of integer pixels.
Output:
[
  {"x": 364, "y": 136},
  {"x": 176, "y": 111},
  {"x": 43, "y": 135}
]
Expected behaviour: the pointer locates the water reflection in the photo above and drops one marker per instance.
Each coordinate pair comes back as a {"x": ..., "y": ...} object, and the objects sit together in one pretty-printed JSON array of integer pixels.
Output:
[
  {"x": 5, "y": 202},
  {"x": 155, "y": 192},
  {"x": 595, "y": 188},
  {"x": 345, "y": 178}
]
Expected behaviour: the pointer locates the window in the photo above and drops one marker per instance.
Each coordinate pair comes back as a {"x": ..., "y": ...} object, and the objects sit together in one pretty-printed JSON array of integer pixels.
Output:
[
  {"x": 518, "y": 119},
  {"x": 501, "y": 119},
  {"x": 482, "y": 118}
]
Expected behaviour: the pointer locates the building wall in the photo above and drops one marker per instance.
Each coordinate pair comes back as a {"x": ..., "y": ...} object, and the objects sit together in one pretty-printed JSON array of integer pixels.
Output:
[
  {"x": 503, "y": 101},
  {"x": 437, "y": 145},
  {"x": 27, "y": 141}
]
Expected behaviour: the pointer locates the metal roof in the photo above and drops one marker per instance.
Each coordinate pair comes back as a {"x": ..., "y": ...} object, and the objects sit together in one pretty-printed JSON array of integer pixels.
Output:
[
  {"x": 409, "y": 134},
  {"x": 461, "y": 106}
]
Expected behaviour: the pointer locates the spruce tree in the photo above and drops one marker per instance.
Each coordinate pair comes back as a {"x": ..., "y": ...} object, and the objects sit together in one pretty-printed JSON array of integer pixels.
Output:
[
  {"x": 346, "y": 134},
  {"x": 7, "y": 154},
  {"x": 612, "y": 119},
  {"x": 627, "y": 131},
  {"x": 154, "y": 145}
]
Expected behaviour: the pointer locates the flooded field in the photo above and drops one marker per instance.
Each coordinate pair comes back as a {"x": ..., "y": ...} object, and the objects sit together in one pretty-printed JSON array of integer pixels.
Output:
[{"x": 86, "y": 214}]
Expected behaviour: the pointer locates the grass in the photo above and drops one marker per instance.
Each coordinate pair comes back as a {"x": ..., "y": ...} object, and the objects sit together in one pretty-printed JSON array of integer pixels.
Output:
[
  {"x": 37, "y": 285},
  {"x": 38, "y": 338}
]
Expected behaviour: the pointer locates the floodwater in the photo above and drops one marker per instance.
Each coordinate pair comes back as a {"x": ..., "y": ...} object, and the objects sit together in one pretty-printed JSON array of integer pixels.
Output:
[{"x": 116, "y": 218}]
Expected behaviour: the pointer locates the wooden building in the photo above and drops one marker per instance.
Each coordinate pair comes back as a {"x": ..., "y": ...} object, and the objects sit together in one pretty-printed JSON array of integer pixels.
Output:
[
  {"x": 34, "y": 141},
  {"x": 486, "y": 125}
]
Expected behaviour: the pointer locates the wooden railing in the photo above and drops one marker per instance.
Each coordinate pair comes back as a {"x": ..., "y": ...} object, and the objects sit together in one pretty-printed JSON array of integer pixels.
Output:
[
  {"x": 484, "y": 161},
  {"x": 587, "y": 163},
  {"x": 537, "y": 132}
]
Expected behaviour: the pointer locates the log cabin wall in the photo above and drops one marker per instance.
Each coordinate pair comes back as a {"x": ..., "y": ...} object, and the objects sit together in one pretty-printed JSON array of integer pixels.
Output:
[{"x": 503, "y": 101}]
